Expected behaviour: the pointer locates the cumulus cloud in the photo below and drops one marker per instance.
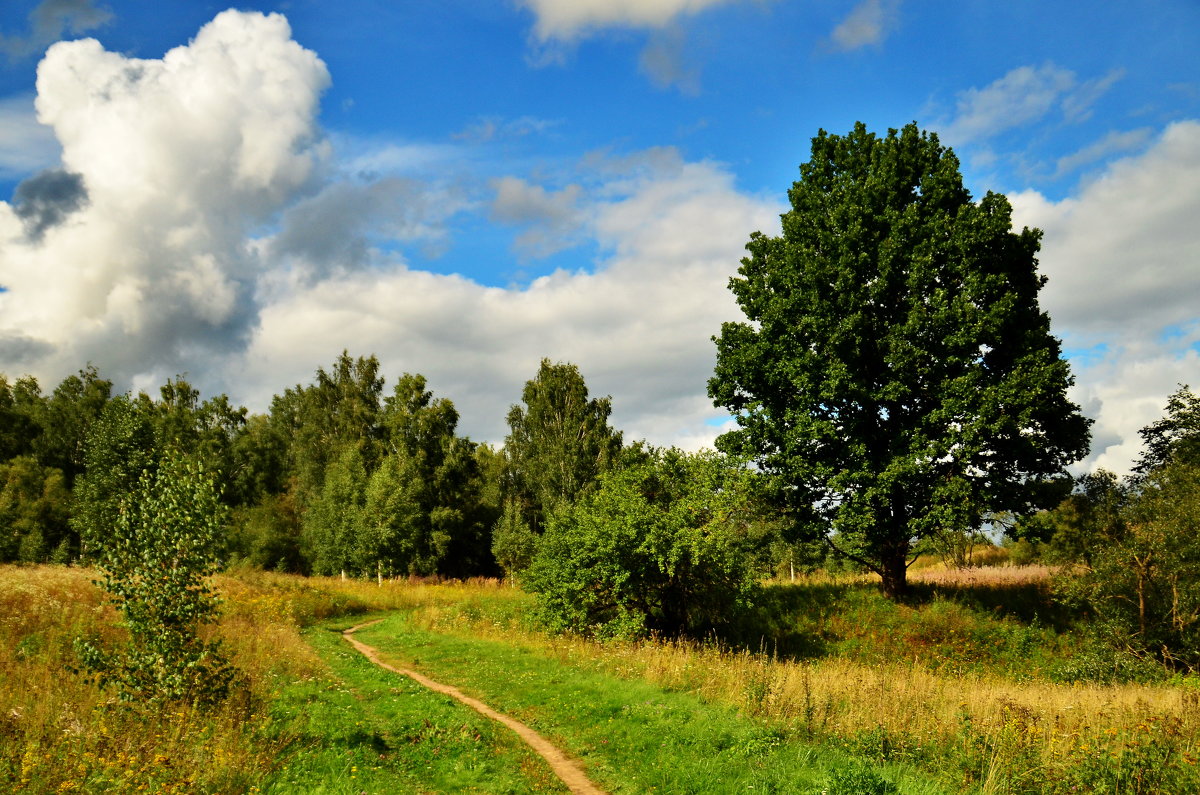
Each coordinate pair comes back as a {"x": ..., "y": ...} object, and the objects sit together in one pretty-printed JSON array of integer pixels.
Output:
[
  {"x": 50, "y": 20},
  {"x": 869, "y": 23},
  {"x": 568, "y": 20},
  {"x": 182, "y": 158},
  {"x": 1123, "y": 284}
]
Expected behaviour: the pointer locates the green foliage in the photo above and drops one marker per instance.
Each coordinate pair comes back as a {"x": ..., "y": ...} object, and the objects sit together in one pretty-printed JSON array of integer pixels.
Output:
[
  {"x": 895, "y": 375},
  {"x": 319, "y": 421},
  {"x": 1175, "y": 437},
  {"x": 120, "y": 446},
  {"x": 155, "y": 563},
  {"x": 259, "y": 456},
  {"x": 859, "y": 779},
  {"x": 34, "y": 509},
  {"x": 206, "y": 429},
  {"x": 658, "y": 547},
  {"x": 514, "y": 544},
  {"x": 19, "y": 404},
  {"x": 440, "y": 522},
  {"x": 559, "y": 442},
  {"x": 1090, "y": 519},
  {"x": 1145, "y": 590},
  {"x": 331, "y": 524},
  {"x": 65, "y": 419},
  {"x": 267, "y": 535}
]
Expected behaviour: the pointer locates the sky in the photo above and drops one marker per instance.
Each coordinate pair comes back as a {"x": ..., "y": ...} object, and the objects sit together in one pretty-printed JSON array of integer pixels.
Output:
[{"x": 465, "y": 187}]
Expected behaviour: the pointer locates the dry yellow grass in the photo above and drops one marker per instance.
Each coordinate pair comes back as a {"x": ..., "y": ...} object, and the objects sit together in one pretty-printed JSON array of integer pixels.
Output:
[
  {"x": 60, "y": 732},
  {"x": 994, "y": 576}
]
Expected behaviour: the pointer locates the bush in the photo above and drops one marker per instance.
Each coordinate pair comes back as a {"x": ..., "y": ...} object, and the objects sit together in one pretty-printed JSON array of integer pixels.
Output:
[
  {"x": 155, "y": 565},
  {"x": 660, "y": 547}
]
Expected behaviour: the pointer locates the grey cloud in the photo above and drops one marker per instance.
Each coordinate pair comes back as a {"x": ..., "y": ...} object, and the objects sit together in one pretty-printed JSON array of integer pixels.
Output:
[
  {"x": 493, "y": 128},
  {"x": 50, "y": 21},
  {"x": 334, "y": 230},
  {"x": 17, "y": 349},
  {"x": 552, "y": 219},
  {"x": 45, "y": 200}
]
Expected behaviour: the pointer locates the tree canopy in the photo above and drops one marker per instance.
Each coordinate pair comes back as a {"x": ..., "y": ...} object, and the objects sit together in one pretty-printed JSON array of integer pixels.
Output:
[
  {"x": 895, "y": 374},
  {"x": 559, "y": 441}
]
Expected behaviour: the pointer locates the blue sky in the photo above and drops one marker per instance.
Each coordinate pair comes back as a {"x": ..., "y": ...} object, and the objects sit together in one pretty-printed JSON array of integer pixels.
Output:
[{"x": 465, "y": 187}]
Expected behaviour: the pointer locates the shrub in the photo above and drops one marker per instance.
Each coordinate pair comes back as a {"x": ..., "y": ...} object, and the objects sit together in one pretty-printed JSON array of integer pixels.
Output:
[
  {"x": 155, "y": 564},
  {"x": 660, "y": 547}
]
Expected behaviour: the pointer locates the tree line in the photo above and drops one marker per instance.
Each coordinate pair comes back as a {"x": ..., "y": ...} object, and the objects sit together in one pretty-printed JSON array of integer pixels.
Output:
[{"x": 337, "y": 477}]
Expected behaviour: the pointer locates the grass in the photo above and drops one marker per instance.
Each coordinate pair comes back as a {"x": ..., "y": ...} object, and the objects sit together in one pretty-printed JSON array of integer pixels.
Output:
[
  {"x": 363, "y": 729},
  {"x": 59, "y": 732},
  {"x": 968, "y": 682},
  {"x": 938, "y": 684},
  {"x": 634, "y": 736}
]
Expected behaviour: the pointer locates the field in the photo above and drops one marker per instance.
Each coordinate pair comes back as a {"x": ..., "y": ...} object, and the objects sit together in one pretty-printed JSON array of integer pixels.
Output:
[{"x": 976, "y": 686}]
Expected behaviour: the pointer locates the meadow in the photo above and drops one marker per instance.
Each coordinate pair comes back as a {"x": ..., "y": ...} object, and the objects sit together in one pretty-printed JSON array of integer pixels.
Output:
[{"x": 977, "y": 684}]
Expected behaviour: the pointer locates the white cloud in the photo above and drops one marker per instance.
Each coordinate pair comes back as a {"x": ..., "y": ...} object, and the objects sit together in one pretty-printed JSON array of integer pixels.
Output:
[
  {"x": 181, "y": 158},
  {"x": 1023, "y": 95},
  {"x": 568, "y": 20},
  {"x": 638, "y": 327},
  {"x": 1121, "y": 259},
  {"x": 869, "y": 23},
  {"x": 1110, "y": 144}
]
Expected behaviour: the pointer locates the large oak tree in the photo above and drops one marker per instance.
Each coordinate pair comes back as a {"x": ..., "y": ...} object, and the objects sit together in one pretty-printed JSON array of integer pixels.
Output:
[{"x": 895, "y": 374}]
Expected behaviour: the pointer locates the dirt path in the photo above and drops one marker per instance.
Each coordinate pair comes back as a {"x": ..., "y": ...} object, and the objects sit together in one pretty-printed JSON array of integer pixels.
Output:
[{"x": 563, "y": 766}]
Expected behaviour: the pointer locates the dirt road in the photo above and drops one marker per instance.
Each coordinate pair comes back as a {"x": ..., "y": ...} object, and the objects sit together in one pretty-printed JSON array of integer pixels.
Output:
[{"x": 567, "y": 769}]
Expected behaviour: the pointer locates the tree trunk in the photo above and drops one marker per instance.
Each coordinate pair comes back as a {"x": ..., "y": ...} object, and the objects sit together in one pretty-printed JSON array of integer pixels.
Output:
[{"x": 895, "y": 572}]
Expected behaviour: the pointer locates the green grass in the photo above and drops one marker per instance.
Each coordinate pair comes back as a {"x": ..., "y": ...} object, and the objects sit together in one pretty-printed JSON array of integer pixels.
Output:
[
  {"x": 365, "y": 729},
  {"x": 631, "y": 736}
]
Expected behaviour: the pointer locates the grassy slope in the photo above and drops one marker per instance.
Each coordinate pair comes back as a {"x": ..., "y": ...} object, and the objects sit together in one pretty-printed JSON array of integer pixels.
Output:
[
  {"x": 363, "y": 729},
  {"x": 632, "y": 735},
  {"x": 959, "y": 685}
]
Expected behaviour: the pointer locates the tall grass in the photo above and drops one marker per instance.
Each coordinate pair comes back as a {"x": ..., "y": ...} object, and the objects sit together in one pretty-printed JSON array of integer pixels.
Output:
[
  {"x": 997, "y": 732},
  {"x": 60, "y": 732},
  {"x": 959, "y": 682}
]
